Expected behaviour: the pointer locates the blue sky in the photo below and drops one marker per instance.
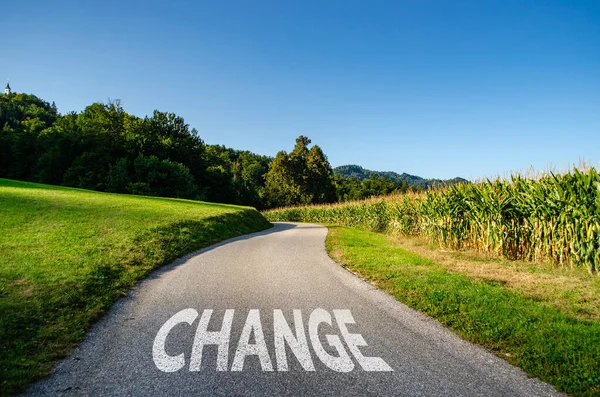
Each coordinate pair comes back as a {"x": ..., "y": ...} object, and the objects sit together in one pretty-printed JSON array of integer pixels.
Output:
[{"x": 435, "y": 88}]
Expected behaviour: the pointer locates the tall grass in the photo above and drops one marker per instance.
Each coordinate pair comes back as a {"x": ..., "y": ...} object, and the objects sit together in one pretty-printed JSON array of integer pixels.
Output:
[{"x": 554, "y": 217}]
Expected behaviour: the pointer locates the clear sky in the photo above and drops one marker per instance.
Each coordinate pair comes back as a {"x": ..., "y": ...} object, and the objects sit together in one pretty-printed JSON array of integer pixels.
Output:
[{"x": 435, "y": 88}]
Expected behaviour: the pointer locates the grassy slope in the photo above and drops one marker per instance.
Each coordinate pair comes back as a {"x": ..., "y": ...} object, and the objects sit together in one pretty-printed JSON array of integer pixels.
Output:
[
  {"x": 67, "y": 254},
  {"x": 526, "y": 331}
]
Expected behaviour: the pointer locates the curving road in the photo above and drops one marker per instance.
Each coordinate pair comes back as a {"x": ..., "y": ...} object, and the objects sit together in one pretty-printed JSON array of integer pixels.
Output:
[{"x": 271, "y": 314}]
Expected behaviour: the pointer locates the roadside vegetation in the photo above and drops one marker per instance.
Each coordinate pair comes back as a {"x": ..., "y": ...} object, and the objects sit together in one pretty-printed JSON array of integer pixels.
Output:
[
  {"x": 553, "y": 218},
  {"x": 523, "y": 314},
  {"x": 67, "y": 254},
  {"x": 512, "y": 265}
]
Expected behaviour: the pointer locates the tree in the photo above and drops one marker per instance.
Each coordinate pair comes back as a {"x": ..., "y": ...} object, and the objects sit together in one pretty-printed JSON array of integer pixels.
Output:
[
  {"x": 319, "y": 179},
  {"x": 22, "y": 118},
  {"x": 281, "y": 188},
  {"x": 218, "y": 178},
  {"x": 168, "y": 137},
  {"x": 56, "y": 148},
  {"x": 249, "y": 170},
  {"x": 162, "y": 178},
  {"x": 302, "y": 177}
]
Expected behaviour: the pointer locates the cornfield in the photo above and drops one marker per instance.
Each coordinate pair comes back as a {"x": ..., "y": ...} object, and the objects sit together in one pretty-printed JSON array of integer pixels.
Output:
[{"x": 555, "y": 217}]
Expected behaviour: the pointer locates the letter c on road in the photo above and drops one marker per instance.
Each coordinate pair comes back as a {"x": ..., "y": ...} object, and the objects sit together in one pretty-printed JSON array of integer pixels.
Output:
[{"x": 162, "y": 360}]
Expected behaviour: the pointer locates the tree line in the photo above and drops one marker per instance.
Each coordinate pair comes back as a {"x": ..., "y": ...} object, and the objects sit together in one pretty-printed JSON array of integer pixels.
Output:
[
  {"x": 357, "y": 172},
  {"x": 105, "y": 148}
]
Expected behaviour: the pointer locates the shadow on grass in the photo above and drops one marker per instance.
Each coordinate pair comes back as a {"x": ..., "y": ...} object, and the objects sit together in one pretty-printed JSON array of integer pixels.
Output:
[{"x": 14, "y": 196}]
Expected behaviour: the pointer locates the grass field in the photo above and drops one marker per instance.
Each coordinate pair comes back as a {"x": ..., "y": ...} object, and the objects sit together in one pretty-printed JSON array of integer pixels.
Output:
[
  {"x": 67, "y": 254},
  {"x": 542, "y": 319}
]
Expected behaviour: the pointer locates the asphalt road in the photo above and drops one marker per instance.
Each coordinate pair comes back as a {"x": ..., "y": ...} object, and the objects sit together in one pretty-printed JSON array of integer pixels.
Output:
[{"x": 271, "y": 314}]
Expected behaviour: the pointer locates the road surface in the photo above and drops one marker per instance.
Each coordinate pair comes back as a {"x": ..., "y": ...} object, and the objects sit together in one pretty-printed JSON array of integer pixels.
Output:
[{"x": 271, "y": 314}]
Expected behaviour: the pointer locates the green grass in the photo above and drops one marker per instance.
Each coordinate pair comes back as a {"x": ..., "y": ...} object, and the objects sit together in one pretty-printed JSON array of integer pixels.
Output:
[
  {"x": 67, "y": 254},
  {"x": 555, "y": 347}
]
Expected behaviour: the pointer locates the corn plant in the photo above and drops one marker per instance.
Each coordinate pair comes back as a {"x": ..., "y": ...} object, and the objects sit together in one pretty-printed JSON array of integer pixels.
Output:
[{"x": 554, "y": 217}]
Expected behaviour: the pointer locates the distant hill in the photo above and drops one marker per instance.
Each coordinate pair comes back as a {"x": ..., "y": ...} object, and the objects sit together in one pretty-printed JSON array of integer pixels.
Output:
[{"x": 360, "y": 173}]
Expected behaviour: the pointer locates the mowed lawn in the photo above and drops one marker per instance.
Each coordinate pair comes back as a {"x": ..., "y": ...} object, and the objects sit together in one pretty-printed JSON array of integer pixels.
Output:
[{"x": 67, "y": 254}]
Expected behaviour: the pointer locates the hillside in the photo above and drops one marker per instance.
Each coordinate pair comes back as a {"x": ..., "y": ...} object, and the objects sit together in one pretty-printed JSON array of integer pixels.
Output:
[
  {"x": 360, "y": 173},
  {"x": 67, "y": 254}
]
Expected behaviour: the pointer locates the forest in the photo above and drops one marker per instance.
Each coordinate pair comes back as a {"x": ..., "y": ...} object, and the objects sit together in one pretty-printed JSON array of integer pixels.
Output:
[{"x": 104, "y": 148}]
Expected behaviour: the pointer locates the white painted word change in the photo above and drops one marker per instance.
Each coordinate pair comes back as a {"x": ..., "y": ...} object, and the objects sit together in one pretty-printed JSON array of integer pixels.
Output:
[{"x": 296, "y": 341}]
